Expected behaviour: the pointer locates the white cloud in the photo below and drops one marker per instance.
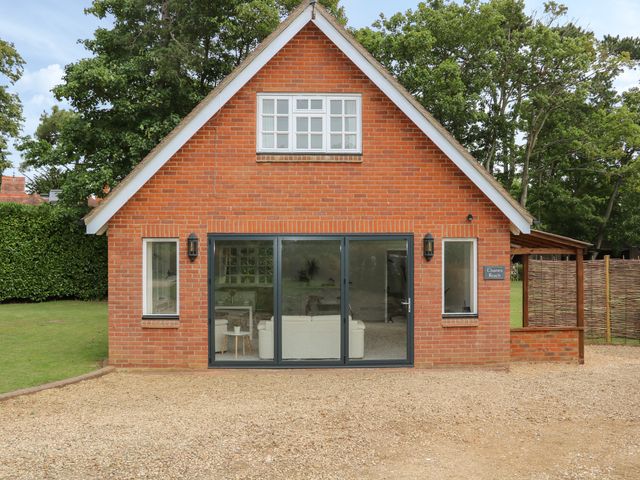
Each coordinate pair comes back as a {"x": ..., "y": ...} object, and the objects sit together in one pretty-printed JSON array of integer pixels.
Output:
[
  {"x": 38, "y": 99},
  {"x": 627, "y": 79},
  {"x": 32, "y": 40},
  {"x": 40, "y": 81},
  {"x": 34, "y": 90}
]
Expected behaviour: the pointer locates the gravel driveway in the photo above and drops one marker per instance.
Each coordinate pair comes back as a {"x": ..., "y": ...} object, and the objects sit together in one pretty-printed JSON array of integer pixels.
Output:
[{"x": 534, "y": 422}]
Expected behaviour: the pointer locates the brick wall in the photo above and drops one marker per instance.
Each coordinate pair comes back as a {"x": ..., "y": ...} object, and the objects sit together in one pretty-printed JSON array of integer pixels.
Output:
[
  {"x": 12, "y": 189},
  {"x": 217, "y": 184},
  {"x": 545, "y": 344},
  {"x": 12, "y": 185}
]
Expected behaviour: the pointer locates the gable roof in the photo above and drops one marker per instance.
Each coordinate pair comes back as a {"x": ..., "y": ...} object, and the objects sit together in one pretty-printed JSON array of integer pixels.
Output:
[{"x": 96, "y": 221}]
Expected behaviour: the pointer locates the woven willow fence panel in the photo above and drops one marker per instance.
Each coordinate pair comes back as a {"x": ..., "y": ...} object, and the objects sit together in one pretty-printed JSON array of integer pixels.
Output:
[
  {"x": 625, "y": 298},
  {"x": 552, "y": 293}
]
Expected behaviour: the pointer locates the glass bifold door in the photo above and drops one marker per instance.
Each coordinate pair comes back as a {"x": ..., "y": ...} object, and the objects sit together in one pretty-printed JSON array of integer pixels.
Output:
[{"x": 310, "y": 300}]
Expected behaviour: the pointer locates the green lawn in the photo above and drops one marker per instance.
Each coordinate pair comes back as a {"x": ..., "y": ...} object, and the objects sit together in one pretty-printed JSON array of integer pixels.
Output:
[
  {"x": 44, "y": 342},
  {"x": 516, "y": 304}
]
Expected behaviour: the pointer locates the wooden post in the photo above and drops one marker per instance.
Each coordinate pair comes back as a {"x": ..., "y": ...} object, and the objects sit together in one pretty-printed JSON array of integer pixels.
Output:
[
  {"x": 607, "y": 298},
  {"x": 580, "y": 302},
  {"x": 525, "y": 290}
]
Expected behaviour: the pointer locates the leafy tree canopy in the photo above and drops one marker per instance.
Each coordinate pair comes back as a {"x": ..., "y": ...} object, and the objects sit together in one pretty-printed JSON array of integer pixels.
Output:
[
  {"x": 49, "y": 155},
  {"x": 531, "y": 96},
  {"x": 146, "y": 72},
  {"x": 11, "y": 67}
]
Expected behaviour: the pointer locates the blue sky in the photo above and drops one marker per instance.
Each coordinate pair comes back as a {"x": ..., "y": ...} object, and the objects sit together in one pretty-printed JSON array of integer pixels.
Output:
[{"x": 46, "y": 34}]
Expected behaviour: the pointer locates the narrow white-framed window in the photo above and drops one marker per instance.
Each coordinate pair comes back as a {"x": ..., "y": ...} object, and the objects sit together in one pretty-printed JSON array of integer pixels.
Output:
[
  {"x": 459, "y": 276},
  {"x": 160, "y": 277},
  {"x": 344, "y": 121},
  {"x": 309, "y": 119},
  {"x": 274, "y": 121},
  {"x": 309, "y": 123}
]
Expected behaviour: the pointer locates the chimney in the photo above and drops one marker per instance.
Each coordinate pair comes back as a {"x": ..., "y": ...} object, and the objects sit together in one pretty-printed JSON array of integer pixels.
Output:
[{"x": 12, "y": 185}]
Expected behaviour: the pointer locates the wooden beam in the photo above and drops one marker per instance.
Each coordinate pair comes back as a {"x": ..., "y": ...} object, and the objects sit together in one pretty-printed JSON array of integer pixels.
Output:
[
  {"x": 525, "y": 290},
  {"x": 537, "y": 239},
  {"x": 533, "y": 243},
  {"x": 607, "y": 298},
  {"x": 559, "y": 239},
  {"x": 580, "y": 302},
  {"x": 542, "y": 251}
]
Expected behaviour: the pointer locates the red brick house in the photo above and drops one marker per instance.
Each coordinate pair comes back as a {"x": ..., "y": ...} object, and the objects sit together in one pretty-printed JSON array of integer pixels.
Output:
[
  {"x": 12, "y": 189},
  {"x": 309, "y": 212}
]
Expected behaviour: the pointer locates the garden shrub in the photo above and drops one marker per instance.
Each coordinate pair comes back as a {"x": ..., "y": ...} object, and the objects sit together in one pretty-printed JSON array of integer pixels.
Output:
[{"x": 45, "y": 254}]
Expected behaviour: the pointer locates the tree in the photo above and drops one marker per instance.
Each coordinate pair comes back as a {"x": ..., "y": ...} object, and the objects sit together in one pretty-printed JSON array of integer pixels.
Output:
[
  {"x": 47, "y": 155},
  {"x": 531, "y": 97},
  {"x": 584, "y": 183},
  {"x": 624, "y": 214},
  {"x": 157, "y": 61},
  {"x": 436, "y": 52},
  {"x": 11, "y": 68},
  {"x": 566, "y": 65},
  {"x": 490, "y": 73},
  {"x": 629, "y": 45}
]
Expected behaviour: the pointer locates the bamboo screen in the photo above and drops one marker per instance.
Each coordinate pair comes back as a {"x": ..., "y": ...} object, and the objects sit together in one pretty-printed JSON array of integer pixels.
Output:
[{"x": 552, "y": 293}]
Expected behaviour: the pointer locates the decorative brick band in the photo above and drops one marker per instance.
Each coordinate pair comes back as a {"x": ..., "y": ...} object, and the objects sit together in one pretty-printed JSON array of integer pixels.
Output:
[
  {"x": 240, "y": 225},
  {"x": 160, "y": 323},
  {"x": 289, "y": 158},
  {"x": 469, "y": 230},
  {"x": 459, "y": 322},
  {"x": 160, "y": 231}
]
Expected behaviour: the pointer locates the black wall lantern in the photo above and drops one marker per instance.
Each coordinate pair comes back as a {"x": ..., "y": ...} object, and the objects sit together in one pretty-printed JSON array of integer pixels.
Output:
[
  {"x": 429, "y": 246},
  {"x": 192, "y": 246}
]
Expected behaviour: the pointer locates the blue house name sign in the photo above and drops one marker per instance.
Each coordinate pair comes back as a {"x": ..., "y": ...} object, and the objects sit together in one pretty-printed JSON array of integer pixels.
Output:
[{"x": 494, "y": 272}]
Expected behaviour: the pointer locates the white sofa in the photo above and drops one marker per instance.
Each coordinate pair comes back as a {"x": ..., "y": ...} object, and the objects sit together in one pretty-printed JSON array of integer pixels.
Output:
[
  {"x": 311, "y": 337},
  {"x": 219, "y": 334}
]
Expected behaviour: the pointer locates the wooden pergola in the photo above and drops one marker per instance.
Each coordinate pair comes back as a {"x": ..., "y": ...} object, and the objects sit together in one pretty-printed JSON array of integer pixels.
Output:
[{"x": 543, "y": 243}]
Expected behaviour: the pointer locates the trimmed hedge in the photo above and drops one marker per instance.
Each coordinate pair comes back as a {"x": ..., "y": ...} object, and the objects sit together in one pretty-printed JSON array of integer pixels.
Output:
[{"x": 44, "y": 254}]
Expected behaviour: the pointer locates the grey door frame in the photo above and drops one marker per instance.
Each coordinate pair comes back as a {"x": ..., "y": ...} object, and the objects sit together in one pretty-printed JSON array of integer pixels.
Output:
[{"x": 278, "y": 362}]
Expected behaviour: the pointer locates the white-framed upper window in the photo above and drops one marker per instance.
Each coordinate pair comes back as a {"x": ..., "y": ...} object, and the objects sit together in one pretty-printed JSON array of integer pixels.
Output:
[
  {"x": 160, "y": 274},
  {"x": 309, "y": 123},
  {"x": 459, "y": 276}
]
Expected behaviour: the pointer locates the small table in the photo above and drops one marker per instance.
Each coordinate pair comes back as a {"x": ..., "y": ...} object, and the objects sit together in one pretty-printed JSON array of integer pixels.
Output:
[
  {"x": 244, "y": 335},
  {"x": 248, "y": 308}
]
